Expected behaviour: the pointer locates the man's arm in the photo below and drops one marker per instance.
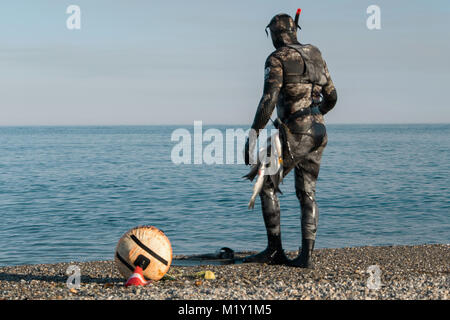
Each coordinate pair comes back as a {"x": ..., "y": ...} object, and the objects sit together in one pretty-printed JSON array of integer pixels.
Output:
[
  {"x": 273, "y": 80},
  {"x": 329, "y": 94}
]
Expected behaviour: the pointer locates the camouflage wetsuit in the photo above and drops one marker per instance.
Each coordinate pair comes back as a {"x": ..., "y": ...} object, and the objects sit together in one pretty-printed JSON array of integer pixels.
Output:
[{"x": 292, "y": 88}]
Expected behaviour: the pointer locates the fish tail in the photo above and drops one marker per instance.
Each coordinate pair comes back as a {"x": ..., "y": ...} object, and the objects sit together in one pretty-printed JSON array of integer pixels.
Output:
[
  {"x": 252, "y": 174},
  {"x": 251, "y": 204}
]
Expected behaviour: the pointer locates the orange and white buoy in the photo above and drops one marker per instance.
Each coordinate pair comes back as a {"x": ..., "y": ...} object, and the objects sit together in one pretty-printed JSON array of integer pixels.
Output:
[{"x": 145, "y": 252}]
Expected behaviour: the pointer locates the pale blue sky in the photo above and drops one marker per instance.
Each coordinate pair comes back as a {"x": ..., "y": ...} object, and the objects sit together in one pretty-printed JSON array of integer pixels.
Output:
[{"x": 173, "y": 62}]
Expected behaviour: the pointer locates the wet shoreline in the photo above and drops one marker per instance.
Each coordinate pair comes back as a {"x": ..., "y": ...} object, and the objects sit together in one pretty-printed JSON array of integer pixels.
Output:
[{"x": 406, "y": 272}]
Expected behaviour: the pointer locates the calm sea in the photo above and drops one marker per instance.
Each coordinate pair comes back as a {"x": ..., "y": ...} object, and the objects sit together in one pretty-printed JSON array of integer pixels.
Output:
[{"x": 69, "y": 193}]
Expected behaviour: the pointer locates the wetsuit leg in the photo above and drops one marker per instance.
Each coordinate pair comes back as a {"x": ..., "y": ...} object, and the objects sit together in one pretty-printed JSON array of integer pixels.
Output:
[
  {"x": 306, "y": 173},
  {"x": 270, "y": 204},
  {"x": 305, "y": 189},
  {"x": 271, "y": 210}
]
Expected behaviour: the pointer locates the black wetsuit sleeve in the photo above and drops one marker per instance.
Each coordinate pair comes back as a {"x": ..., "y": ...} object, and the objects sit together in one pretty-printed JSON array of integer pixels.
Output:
[
  {"x": 273, "y": 81},
  {"x": 329, "y": 94}
]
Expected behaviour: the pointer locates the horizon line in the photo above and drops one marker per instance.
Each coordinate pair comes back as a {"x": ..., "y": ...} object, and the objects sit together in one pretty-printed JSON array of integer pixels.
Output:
[{"x": 207, "y": 124}]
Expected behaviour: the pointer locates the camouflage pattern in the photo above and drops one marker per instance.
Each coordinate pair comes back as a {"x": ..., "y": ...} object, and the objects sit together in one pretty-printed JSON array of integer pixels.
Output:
[
  {"x": 309, "y": 135},
  {"x": 282, "y": 30},
  {"x": 282, "y": 23},
  {"x": 291, "y": 97}
]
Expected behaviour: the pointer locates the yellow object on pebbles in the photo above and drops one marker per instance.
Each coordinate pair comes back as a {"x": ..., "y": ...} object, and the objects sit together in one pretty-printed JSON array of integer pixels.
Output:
[
  {"x": 168, "y": 277},
  {"x": 208, "y": 275}
]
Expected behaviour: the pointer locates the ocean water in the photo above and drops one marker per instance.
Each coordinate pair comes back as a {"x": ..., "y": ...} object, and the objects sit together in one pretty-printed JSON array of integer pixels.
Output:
[{"x": 69, "y": 193}]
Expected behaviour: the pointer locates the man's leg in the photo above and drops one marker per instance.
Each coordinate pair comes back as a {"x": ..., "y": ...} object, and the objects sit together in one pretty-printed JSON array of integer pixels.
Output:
[
  {"x": 270, "y": 204},
  {"x": 306, "y": 173}
]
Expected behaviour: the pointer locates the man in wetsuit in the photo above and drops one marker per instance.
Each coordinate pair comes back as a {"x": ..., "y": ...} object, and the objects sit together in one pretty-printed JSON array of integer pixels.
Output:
[{"x": 297, "y": 82}]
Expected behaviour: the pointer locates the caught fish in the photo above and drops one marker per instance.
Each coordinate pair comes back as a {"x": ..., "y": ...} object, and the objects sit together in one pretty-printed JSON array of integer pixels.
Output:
[
  {"x": 258, "y": 185},
  {"x": 276, "y": 162},
  {"x": 271, "y": 169}
]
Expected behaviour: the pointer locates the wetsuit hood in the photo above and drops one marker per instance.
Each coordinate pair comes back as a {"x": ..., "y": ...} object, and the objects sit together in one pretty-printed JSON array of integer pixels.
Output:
[{"x": 283, "y": 30}]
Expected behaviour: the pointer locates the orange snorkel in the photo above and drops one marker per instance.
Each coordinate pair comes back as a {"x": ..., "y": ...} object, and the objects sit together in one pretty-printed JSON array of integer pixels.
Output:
[{"x": 297, "y": 15}]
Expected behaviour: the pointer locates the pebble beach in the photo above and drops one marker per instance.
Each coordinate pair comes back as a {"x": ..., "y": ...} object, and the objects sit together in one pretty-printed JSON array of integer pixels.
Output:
[{"x": 406, "y": 272}]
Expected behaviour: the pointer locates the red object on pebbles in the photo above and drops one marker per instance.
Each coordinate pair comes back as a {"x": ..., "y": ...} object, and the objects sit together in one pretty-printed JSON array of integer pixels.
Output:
[{"x": 137, "y": 278}]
